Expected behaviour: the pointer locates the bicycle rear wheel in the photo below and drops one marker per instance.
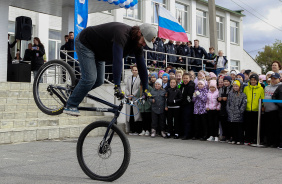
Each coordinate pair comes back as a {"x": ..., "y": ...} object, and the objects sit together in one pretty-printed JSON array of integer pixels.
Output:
[
  {"x": 54, "y": 75},
  {"x": 112, "y": 162}
]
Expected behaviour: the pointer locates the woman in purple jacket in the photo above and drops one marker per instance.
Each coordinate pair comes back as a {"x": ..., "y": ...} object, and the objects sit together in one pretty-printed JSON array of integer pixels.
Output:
[{"x": 200, "y": 100}]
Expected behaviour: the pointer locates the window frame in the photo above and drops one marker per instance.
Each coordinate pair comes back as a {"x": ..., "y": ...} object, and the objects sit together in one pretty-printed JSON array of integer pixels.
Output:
[
  {"x": 58, "y": 44},
  {"x": 218, "y": 25},
  {"x": 235, "y": 67},
  {"x": 153, "y": 6},
  {"x": 204, "y": 31},
  {"x": 236, "y": 32},
  {"x": 139, "y": 7},
  {"x": 184, "y": 12}
]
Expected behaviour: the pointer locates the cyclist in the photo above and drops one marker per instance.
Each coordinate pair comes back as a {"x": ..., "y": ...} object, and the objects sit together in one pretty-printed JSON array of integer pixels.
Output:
[{"x": 109, "y": 42}]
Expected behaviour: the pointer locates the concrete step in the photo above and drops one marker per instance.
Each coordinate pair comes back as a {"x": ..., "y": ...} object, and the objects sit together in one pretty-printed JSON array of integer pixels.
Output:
[
  {"x": 16, "y": 86},
  {"x": 48, "y": 121},
  {"x": 17, "y": 135},
  {"x": 38, "y": 114}
]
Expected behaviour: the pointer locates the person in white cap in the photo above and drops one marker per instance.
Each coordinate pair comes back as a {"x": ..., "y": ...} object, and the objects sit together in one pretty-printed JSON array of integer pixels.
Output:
[{"x": 110, "y": 43}]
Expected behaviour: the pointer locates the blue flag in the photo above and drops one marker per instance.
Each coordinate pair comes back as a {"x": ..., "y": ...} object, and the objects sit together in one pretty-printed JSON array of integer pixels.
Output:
[{"x": 80, "y": 17}]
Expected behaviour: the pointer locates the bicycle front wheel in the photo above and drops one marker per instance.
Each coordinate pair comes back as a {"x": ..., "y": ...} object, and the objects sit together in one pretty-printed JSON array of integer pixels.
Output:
[{"x": 109, "y": 162}]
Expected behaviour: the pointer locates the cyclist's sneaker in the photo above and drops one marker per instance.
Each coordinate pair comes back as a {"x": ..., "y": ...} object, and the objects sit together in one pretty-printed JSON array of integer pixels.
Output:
[
  {"x": 118, "y": 92},
  {"x": 216, "y": 139},
  {"x": 71, "y": 111}
]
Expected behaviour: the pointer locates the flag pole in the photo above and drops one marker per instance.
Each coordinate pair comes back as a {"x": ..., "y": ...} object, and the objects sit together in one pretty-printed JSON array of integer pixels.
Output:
[{"x": 157, "y": 10}]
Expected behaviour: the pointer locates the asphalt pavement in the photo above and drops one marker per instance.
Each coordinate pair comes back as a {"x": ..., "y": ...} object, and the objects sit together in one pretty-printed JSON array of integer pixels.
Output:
[{"x": 153, "y": 160}]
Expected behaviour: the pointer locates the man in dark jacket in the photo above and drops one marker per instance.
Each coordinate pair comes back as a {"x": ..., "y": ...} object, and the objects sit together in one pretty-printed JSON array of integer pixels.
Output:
[
  {"x": 9, "y": 56},
  {"x": 170, "y": 49},
  {"x": 63, "y": 47},
  {"x": 161, "y": 48},
  {"x": 199, "y": 53},
  {"x": 211, "y": 57},
  {"x": 187, "y": 89},
  {"x": 278, "y": 96},
  {"x": 69, "y": 46}
]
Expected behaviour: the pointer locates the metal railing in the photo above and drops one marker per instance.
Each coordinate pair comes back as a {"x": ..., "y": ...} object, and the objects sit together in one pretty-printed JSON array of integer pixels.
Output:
[{"x": 187, "y": 65}]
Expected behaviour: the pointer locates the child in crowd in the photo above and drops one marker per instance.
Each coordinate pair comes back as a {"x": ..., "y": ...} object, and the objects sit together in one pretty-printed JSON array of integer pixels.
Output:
[
  {"x": 168, "y": 68},
  {"x": 277, "y": 95},
  {"x": 200, "y": 113},
  {"x": 192, "y": 75},
  {"x": 161, "y": 72},
  {"x": 201, "y": 76},
  {"x": 262, "y": 78},
  {"x": 268, "y": 77},
  {"x": 271, "y": 113},
  {"x": 233, "y": 75},
  {"x": 212, "y": 106},
  {"x": 171, "y": 74},
  {"x": 242, "y": 78},
  {"x": 222, "y": 98},
  {"x": 154, "y": 77},
  {"x": 187, "y": 89},
  {"x": 247, "y": 76},
  {"x": 236, "y": 105},
  {"x": 158, "y": 101},
  {"x": 220, "y": 83},
  {"x": 178, "y": 76},
  {"x": 212, "y": 76},
  {"x": 165, "y": 84},
  {"x": 254, "y": 92},
  {"x": 145, "y": 110},
  {"x": 174, "y": 98}
]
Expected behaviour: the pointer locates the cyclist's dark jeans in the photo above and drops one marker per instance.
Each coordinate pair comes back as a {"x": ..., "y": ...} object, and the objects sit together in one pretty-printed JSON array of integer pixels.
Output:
[{"x": 92, "y": 74}]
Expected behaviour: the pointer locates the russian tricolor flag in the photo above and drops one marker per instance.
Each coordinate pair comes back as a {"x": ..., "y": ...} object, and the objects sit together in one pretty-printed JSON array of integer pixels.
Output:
[{"x": 169, "y": 28}]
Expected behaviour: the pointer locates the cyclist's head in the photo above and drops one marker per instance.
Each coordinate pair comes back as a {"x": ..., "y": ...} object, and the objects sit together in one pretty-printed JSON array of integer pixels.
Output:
[{"x": 149, "y": 34}]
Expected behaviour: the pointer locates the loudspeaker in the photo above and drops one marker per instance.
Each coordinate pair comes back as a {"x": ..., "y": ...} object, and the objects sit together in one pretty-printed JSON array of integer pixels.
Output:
[{"x": 23, "y": 28}]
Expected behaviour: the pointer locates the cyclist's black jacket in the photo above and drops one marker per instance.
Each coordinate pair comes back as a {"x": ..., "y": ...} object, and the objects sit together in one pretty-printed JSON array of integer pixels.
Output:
[{"x": 111, "y": 42}]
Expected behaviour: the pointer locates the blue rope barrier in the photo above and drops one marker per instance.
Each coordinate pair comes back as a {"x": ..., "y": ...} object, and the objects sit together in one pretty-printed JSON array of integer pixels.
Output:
[{"x": 273, "y": 101}]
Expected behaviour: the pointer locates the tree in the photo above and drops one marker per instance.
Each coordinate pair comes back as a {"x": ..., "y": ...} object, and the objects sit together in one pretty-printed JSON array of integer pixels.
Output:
[{"x": 271, "y": 53}]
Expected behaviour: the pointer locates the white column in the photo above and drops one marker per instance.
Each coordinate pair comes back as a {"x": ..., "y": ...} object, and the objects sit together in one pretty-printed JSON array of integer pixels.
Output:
[
  {"x": 146, "y": 11},
  {"x": 193, "y": 20},
  {"x": 227, "y": 38},
  {"x": 43, "y": 31},
  {"x": 67, "y": 21},
  {"x": 118, "y": 14},
  {"x": 4, "y": 18},
  {"x": 171, "y": 7}
]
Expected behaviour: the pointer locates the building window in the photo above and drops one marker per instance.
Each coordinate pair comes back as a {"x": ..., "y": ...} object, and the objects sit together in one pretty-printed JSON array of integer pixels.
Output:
[
  {"x": 54, "y": 44},
  {"x": 154, "y": 18},
  {"x": 235, "y": 65},
  {"x": 201, "y": 23},
  {"x": 234, "y": 32},
  {"x": 220, "y": 28},
  {"x": 181, "y": 15},
  {"x": 133, "y": 14}
]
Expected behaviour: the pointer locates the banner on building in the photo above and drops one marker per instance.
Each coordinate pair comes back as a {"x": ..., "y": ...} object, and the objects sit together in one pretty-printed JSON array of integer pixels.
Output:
[{"x": 80, "y": 17}]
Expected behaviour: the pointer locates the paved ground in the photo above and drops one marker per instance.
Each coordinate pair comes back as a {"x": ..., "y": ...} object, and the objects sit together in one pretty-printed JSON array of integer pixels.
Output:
[{"x": 153, "y": 161}]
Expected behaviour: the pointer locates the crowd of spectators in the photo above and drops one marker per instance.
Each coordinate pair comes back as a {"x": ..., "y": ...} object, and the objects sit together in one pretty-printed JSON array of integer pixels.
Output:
[
  {"x": 219, "y": 107},
  {"x": 187, "y": 54}
]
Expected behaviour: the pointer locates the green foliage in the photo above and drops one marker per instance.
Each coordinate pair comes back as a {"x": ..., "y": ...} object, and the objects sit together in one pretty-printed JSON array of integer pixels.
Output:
[{"x": 270, "y": 54}]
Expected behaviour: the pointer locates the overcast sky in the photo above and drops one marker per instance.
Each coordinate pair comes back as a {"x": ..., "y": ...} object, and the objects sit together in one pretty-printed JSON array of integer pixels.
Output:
[{"x": 257, "y": 33}]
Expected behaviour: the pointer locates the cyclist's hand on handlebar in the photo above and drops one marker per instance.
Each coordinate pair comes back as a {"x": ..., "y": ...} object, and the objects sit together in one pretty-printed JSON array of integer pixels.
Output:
[
  {"x": 118, "y": 92},
  {"x": 147, "y": 94}
]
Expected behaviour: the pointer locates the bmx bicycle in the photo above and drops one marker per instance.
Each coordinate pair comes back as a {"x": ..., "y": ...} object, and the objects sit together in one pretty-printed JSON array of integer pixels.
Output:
[{"x": 103, "y": 150}]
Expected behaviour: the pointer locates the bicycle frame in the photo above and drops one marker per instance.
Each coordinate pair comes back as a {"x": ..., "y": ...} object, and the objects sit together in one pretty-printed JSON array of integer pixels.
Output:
[{"x": 114, "y": 109}]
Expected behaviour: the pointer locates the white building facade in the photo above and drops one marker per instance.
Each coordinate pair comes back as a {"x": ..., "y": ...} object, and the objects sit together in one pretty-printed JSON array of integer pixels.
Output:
[{"x": 192, "y": 15}]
